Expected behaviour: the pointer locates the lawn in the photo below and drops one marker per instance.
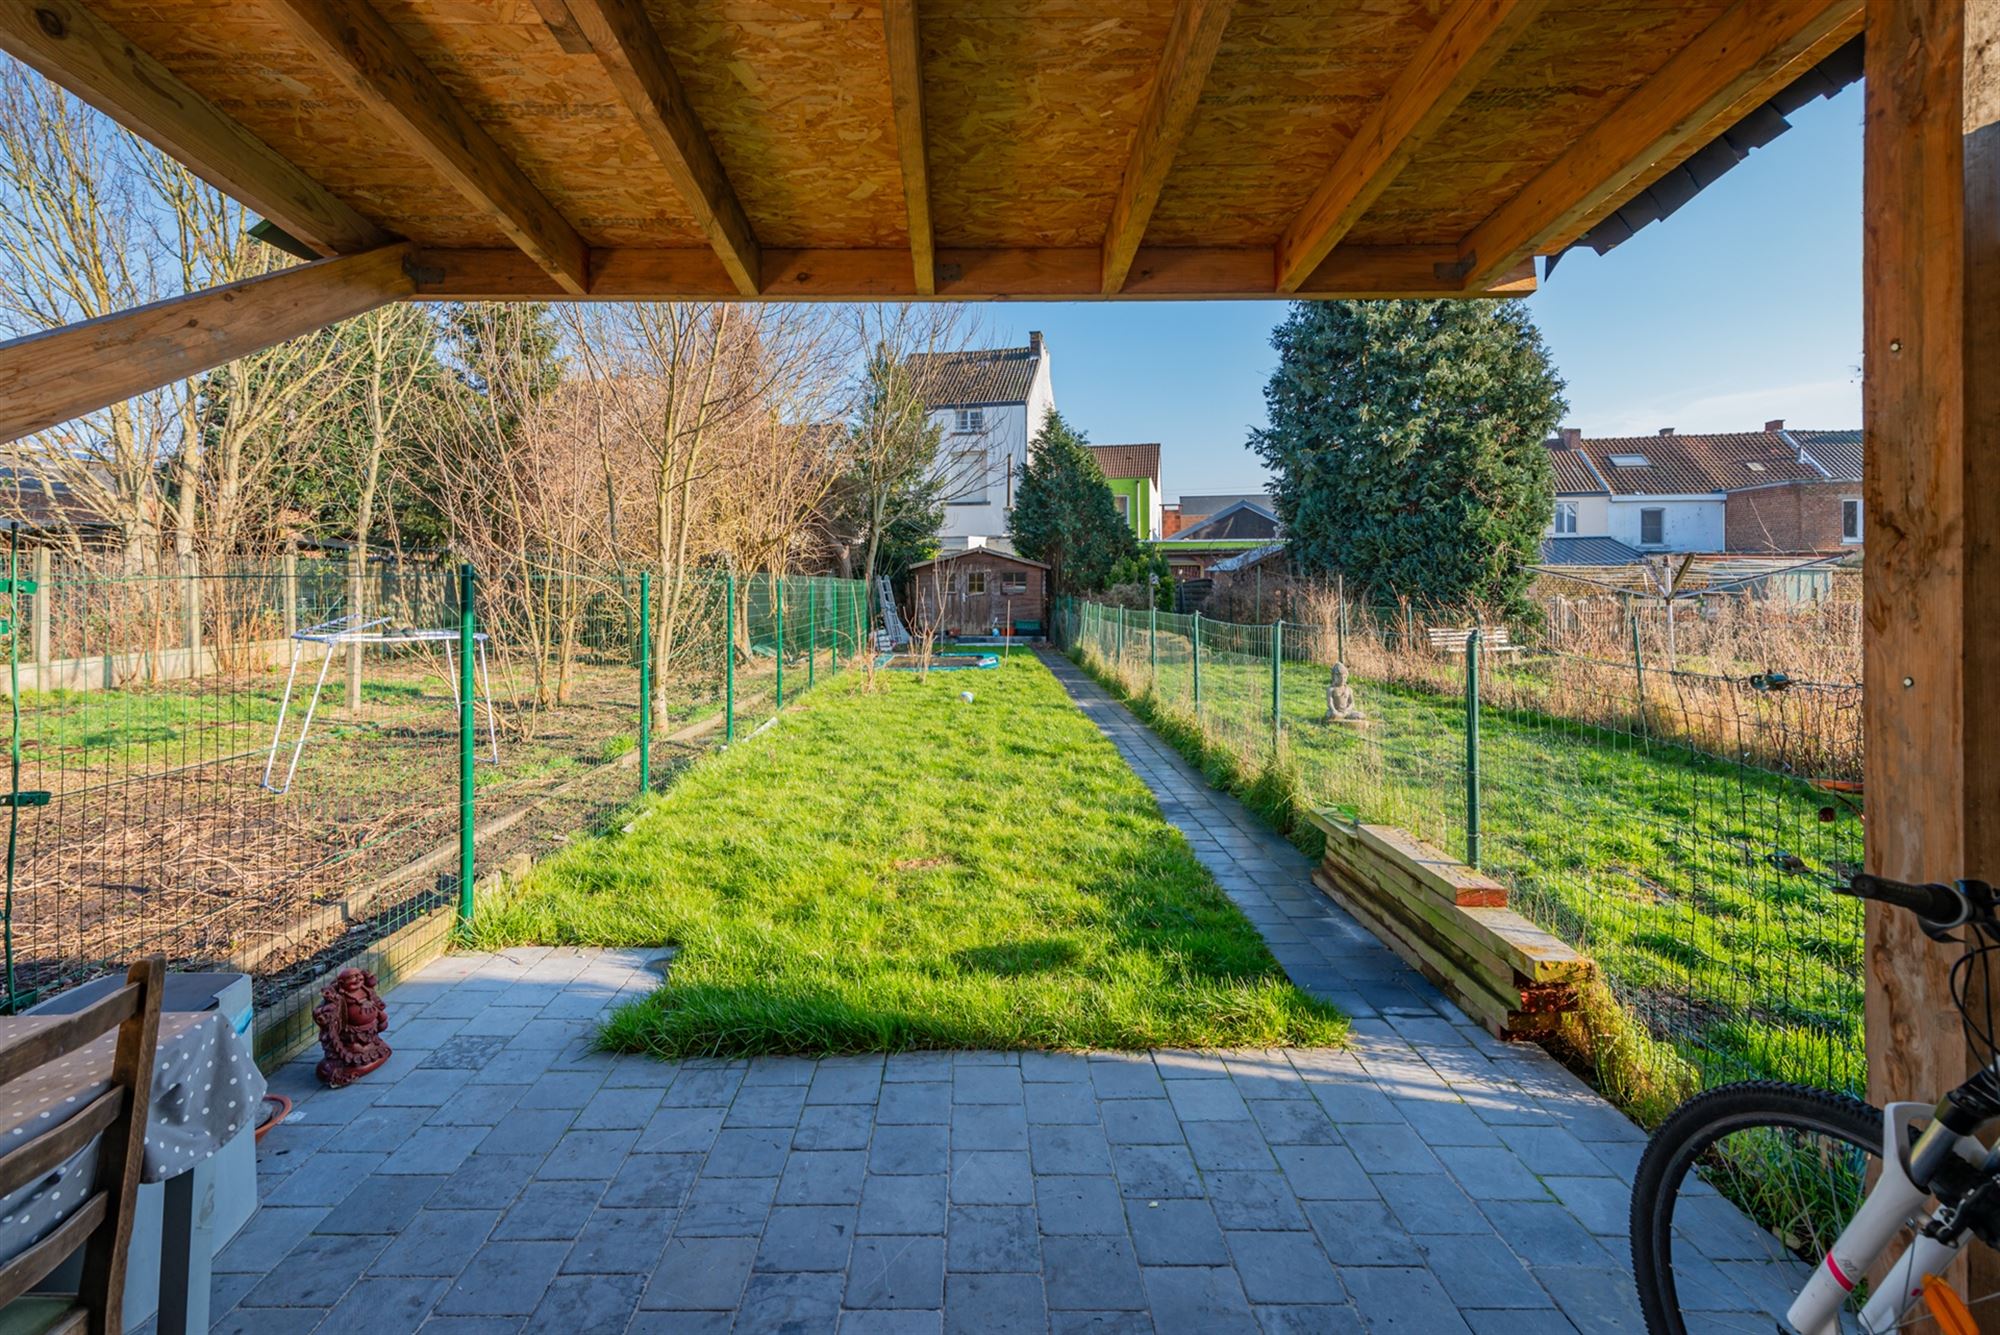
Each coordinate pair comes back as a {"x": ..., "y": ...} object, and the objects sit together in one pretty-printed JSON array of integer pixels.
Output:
[
  {"x": 895, "y": 868},
  {"x": 1699, "y": 885}
]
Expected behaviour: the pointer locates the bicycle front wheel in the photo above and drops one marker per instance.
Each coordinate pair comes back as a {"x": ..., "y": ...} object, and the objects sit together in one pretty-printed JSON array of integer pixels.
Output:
[{"x": 1738, "y": 1197}]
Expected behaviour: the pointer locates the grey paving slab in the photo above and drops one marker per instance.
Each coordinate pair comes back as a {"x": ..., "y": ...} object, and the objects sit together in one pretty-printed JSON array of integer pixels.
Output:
[{"x": 1422, "y": 1179}]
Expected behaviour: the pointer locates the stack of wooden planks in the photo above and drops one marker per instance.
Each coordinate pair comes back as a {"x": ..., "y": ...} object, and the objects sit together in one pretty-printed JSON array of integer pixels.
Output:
[{"x": 1453, "y": 925}]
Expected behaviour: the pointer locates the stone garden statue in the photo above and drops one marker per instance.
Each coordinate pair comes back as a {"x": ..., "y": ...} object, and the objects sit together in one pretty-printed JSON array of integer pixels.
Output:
[{"x": 1340, "y": 706}]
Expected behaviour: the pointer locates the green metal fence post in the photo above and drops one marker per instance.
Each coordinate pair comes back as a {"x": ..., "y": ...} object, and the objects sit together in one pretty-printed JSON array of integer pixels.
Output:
[
  {"x": 778, "y": 596},
  {"x": 1472, "y": 748},
  {"x": 729, "y": 656},
  {"x": 812, "y": 630},
  {"x": 645, "y": 681},
  {"x": 1277, "y": 655},
  {"x": 1153, "y": 649},
  {"x": 1195, "y": 641},
  {"x": 467, "y": 735}
]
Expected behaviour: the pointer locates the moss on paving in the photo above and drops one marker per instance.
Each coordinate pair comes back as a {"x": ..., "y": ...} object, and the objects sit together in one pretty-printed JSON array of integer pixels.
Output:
[{"x": 895, "y": 868}]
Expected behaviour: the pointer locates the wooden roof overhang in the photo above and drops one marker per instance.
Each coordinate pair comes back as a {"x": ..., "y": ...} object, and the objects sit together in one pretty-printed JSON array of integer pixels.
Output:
[{"x": 885, "y": 149}]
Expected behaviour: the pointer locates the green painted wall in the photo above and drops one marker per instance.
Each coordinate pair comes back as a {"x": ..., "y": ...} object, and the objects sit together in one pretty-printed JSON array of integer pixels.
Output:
[{"x": 1138, "y": 494}]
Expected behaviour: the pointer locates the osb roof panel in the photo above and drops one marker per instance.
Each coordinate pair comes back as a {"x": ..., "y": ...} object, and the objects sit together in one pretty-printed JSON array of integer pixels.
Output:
[
  {"x": 555, "y": 113},
  {"x": 250, "y": 66},
  {"x": 1564, "y": 74},
  {"x": 1290, "y": 83},
  {"x": 795, "y": 96},
  {"x": 1029, "y": 110}
]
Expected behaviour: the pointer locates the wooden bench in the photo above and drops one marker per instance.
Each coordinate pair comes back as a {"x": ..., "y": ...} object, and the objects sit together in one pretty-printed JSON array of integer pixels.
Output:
[{"x": 1452, "y": 639}]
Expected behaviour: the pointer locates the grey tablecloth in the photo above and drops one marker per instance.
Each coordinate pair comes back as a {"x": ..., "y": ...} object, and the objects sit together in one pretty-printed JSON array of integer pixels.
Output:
[{"x": 206, "y": 1090}]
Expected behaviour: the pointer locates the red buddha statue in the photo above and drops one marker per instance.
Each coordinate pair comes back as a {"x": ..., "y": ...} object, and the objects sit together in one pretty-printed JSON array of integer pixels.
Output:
[{"x": 352, "y": 1020}]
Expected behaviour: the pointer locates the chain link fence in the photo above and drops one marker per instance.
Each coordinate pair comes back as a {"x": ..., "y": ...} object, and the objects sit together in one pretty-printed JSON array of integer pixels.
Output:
[
  {"x": 1682, "y": 823},
  {"x": 265, "y": 769}
]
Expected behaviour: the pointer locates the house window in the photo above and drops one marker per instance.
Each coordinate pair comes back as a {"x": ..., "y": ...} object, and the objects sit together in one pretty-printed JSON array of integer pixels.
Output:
[
  {"x": 1652, "y": 527},
  {"x": 1850, "y": 519},
  {"x": 1014, "y": 581},
  {"x": 1565, "y": 516},
  {"x": 969, "y": 421},
  {"x": 1124, "y": 504},
  {"x": 968, "y": 477},
  {"x": 975, "y": 581}
]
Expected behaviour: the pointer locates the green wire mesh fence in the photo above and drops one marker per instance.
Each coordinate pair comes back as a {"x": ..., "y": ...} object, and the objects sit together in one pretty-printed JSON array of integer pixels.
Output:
[
  {"x": 1671, "y": 810},
  {"x": 259, "y": 769}
]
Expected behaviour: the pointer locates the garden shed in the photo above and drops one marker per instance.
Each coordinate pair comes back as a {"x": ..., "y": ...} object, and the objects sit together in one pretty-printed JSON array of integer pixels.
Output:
[
  {"x": 980, "y": 591},
  {"x": 1124, "y": 149}
]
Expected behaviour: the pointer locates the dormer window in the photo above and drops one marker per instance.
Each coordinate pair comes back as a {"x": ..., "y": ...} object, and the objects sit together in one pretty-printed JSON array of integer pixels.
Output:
[
  {"x": 1628, "y": 461},
  {"x": 970, "y": 421}
]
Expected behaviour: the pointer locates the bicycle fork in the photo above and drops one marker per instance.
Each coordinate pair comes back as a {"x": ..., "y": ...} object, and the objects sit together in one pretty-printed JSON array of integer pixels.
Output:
[{"x": 1895, "y": 1200}]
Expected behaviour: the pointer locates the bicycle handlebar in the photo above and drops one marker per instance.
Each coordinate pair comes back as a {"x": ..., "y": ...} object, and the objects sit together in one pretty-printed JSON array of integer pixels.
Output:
[{"x": 1941, "y": 907}]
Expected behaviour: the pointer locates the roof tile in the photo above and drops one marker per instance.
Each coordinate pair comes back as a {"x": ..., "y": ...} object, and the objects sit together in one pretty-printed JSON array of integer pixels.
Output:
[{"x": 1123, "y": 461}]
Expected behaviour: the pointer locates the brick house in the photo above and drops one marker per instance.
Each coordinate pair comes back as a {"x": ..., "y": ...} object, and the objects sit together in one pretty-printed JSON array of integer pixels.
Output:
[
  {"x": 1820, "y": 515},
  {"x": 980, "y": 591}
]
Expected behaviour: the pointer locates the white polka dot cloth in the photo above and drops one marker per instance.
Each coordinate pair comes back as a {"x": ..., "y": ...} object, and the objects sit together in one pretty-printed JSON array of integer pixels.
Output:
[{"x": 206, "y": 1090}]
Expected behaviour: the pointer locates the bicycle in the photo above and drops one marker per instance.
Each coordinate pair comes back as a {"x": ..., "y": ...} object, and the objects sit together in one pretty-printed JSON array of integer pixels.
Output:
[{"x": 1766, "y": 1207}]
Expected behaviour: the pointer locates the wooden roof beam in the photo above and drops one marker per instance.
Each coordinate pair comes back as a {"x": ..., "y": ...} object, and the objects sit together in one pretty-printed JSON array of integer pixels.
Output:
[
  {"x": 379, "y": 68},
  {"x": 633, "y": 55},
  {"x": 1756, "y": 45},
  {"x": 74, "y": 48},
  {"x": 1192, "y": 42},
  {"x": 49, "y": 378},
  {"x": 1065, "y": 273},
  {"x": 1470, "y": 37},
  {"x": 906, "y": 98}
]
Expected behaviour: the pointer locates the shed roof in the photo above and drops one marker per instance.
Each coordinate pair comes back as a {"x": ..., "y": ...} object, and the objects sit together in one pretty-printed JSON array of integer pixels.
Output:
[
  {"x": 831, "y": 149},
  {"x": 991, "y": 553},
  {"x": 1838, "y": 452},
  {"x": 1245, "y": 519}
]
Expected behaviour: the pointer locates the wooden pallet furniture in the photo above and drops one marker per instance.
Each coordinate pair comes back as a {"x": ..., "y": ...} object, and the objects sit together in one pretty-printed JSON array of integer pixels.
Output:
[{"x": 1452, "y": 924}]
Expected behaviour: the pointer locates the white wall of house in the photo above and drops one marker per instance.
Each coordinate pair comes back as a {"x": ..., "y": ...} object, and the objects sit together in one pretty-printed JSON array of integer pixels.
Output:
[
  {"x": 1593, "y": 517},
  {"x": 984, "y": 465},
  {"x": 1688, "y": 523}
]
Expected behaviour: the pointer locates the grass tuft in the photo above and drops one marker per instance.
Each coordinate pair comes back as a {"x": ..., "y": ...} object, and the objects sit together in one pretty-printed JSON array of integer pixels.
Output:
[{"x": 893, "y": 868}]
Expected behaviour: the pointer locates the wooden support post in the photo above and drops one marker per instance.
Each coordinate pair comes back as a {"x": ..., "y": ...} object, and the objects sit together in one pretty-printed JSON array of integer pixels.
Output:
[
  {"x": 1931, "y": 405},
  {"x": 291, "y": 593}
]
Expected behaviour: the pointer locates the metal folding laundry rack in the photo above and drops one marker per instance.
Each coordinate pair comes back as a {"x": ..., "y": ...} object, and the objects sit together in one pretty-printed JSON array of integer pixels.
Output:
[{"x": 345, "y": 631}]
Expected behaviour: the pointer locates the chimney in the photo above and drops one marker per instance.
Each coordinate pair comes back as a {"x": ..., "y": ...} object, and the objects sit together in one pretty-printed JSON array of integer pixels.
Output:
[
  {"x": 1666, "y": 431},
  {"x": 1572, "y": 437},
  {"x": 1035, "y": 341},
  {"x": 1775, "y": 425}
]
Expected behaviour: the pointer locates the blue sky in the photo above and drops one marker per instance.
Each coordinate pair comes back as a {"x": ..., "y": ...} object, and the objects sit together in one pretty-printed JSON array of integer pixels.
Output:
[{"x": 1743, "y": 306}]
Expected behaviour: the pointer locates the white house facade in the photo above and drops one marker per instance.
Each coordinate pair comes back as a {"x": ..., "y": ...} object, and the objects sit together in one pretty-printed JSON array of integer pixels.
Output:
[{"x": 989, "y": 405}]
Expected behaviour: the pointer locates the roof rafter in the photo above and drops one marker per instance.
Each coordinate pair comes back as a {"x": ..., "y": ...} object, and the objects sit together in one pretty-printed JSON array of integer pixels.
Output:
[
  {"x": 72, "y": 46},
  {"x": 1470, "y": 37},
  {"x": 1753, "y": 48},
  {"x": 1192, "y": 42},
  {"x": 906, "y": 97},
  {"x": 379, "y": 68},
  {"x": 631, "y": 52}
]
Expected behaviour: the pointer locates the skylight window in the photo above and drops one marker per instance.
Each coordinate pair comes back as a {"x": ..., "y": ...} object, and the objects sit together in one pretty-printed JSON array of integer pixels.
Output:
[
  {"x": 1753, "y": 465},
  {"x": 1628, "y": 461}
]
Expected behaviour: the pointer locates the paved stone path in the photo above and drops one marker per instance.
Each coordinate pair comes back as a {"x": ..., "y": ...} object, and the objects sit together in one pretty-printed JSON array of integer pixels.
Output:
[{"x": 498, "y": 1175}]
